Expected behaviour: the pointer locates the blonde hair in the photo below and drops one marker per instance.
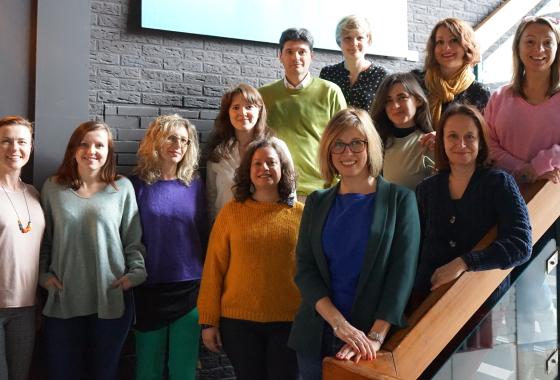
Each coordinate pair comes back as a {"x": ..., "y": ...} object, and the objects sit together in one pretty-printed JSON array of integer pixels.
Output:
[
  {"x": 149, "y": 164},
  {"x": 350, "y": 118},
  {"x": 350, "y": 24},
  {"x": 519, "y": 68}
]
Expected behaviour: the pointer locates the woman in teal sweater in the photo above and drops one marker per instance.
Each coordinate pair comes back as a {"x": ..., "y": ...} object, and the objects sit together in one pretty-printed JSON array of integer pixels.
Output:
[
  {"x": 357, "y": 250},
  {"x": 91, "y": 256}
]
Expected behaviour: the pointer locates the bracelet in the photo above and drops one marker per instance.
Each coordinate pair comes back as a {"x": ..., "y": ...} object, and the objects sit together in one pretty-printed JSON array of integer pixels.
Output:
[
  {"x": 339, "y": 324},
  {"x": 375, "y": 336},
  {"x": 204, "y": 327}
]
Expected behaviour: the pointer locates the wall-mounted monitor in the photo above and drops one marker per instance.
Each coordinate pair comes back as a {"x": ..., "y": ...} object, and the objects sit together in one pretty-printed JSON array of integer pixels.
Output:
[{"x": 264, "y": 20}]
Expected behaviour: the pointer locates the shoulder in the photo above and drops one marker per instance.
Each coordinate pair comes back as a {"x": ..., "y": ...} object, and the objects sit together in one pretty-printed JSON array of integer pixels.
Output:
[
  {"x": 324, "y": 85},
  {"x": 378, "y": 71},
  {"x": 478, "y": 90},
  {"x": 51, "y": 185},
  {"x": 272, "y": 86},
  {"x": 30, "y": 189},
  {"x": 496, "y": 177},
  {"x": 123, "y": 185}
]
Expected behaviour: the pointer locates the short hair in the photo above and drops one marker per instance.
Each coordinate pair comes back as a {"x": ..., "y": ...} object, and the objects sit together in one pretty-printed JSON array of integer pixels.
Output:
[
  {"x": 483, "y": 157},
  {"x": 222, "y": 139},
  {"x": 296, "y": 34},
  {"x": 519, "y": 68},
  {"x": 16, "y": 120},
  {"x": 350, "y": 118},
  {"x": 352, "y": 23},
  {"x": 460, "y": 30},
  {"x": 149, "y": 161},
  {"x": 67, "y": 173},
  {"x": 422, "y": 118},
  {"x": 242, "y": 179}
]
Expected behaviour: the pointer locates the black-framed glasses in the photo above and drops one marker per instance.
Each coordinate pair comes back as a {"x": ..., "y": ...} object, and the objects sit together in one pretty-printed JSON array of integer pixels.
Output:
[
  {"x": 173, "y": 139},
  {"x": 356, "y": 146}
]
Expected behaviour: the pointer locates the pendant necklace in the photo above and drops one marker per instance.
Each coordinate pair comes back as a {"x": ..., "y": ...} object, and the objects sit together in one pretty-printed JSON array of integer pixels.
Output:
[{"x": 23, "y": 230}]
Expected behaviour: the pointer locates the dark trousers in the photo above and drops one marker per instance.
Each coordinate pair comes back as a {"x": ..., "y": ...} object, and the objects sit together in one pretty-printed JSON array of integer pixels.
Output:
[
  {"x": 311, "y": 366},
  {"x": 259, "y": 351},
  {"x": 85, "y": 347}
]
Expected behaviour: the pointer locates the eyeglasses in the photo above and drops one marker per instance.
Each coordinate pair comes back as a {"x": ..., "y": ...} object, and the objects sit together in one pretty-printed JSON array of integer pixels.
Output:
[
  {"x": 172, "y": 140},
  {"x": 356, "y": 146}
]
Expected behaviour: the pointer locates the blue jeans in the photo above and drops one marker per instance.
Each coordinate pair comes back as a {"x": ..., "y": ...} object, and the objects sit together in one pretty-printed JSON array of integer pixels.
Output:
[
  {"x": 311, "y": 366},
  {"x": 68, "y": 342}
]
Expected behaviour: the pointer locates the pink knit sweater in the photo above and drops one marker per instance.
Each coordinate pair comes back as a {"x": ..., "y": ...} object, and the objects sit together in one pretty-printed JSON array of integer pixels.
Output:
[{"x": 521, "y": 133}]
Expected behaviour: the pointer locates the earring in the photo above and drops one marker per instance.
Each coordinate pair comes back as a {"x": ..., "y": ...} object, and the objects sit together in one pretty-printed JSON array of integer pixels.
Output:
[{"x": 252, "y": 188}]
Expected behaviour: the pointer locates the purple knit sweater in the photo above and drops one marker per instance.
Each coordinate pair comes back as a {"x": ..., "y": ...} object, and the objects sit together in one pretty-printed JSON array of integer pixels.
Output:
[{"x": 174, "y": 228}]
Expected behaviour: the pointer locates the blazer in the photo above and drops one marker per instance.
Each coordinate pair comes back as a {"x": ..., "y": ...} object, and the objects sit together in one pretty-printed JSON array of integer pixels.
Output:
[{"x": 388, "y": 271}]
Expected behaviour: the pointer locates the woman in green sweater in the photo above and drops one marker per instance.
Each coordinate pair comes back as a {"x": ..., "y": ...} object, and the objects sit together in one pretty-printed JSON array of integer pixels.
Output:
[
  {"x": 248, "y": 297},
  {"x": 91, "y": 256}
]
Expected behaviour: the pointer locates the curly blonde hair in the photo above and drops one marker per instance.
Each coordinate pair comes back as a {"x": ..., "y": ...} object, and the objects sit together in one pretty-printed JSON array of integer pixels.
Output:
[{"x": 149, "y": 162}]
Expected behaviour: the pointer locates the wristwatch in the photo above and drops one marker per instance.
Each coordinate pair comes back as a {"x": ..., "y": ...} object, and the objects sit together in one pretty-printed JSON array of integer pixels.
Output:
[
  {"x": 373, "y": 335},
  {"x": 202, "y": 327}
]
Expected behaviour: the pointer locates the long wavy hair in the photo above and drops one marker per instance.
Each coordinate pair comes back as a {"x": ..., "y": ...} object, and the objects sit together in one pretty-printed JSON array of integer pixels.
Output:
[
  {"x": 483, "y": 157},
  {"x": 149, "y": 161},
  {"x": 422, "y": 117},
  {"x": 518, "y": 66},
  {"x": 242, "y": 188},
  {"x": 460, "y": 30},
  {"x": 222, "y": 139},
  {"x": 67, "y": 174}
]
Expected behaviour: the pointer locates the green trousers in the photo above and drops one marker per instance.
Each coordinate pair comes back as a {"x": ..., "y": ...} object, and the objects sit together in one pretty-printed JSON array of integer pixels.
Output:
[{"x": 177, "y": 342}]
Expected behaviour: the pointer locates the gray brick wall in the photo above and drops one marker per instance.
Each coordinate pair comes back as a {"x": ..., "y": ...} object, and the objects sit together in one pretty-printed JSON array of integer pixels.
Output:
[{"x": 136, "y": 74}]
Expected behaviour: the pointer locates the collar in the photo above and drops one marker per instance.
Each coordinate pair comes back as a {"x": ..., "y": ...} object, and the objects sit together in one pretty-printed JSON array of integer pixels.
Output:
[{"x": 304, "y": 83}]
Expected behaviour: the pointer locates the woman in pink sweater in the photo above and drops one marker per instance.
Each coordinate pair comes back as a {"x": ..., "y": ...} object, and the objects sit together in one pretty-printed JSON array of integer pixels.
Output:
[
  {"x": 21, "y": 228},
  {"x": 524, "y": 116}
]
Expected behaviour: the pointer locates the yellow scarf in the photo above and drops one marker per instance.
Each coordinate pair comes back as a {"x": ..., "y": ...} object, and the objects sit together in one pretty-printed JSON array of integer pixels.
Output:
[{"x": 442, "y": 91}]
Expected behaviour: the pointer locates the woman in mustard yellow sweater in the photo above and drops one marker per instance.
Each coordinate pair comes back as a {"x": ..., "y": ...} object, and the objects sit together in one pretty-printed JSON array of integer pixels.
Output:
[{"x": 248, "y": 298}]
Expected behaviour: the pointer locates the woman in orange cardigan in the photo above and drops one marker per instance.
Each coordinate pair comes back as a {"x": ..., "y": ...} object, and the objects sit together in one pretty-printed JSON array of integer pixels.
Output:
[{"x": 248, "y": 298}]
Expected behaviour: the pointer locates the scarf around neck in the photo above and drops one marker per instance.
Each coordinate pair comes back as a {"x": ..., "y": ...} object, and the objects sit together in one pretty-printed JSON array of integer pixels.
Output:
[{"x": 441, "y": 91}]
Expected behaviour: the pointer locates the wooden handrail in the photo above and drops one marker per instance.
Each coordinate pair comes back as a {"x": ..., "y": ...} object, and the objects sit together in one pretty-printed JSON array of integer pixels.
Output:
[{"x": 440, "y": 317}]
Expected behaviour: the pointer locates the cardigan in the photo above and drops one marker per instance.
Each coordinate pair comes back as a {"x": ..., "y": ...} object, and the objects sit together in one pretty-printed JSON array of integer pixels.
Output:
[
  {"x": 362, "y": 93},
  {"x": 19, "y": 252},
  {"x": 520, "y": 132},
  {"x": 88, "y": 244},
  {"x": 250, "y": 264},
  {"x": 387, "y": 273},
  {"x": 451, "y": 228},
  {"x": 299, "y": 117}
]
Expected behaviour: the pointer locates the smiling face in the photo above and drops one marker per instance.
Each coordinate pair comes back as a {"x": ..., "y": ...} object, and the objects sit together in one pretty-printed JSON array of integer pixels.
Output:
[
  {"x": 448, "y": 52},
  {"x": 537, "y": 47},
  {"x": 266, "y": 169},
  {"x": 174, "y": 147},
  {"x": 351, "y": 162},
  {"x": 401, "y": 106},
  {"x": 15, "y": 147},
  {"x": 461, "y": 141},
  {"x": 296, "y": 59},
  {"x": 92, "y": 152},
  {"x": 354, "y": 44},
  {"x": 242, "y": 114}
]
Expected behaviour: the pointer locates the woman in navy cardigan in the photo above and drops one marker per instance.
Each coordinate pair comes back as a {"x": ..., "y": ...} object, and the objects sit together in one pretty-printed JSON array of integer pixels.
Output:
[
  {"x": 460, "y": 204},
  {"x": 357, "y": 250}
]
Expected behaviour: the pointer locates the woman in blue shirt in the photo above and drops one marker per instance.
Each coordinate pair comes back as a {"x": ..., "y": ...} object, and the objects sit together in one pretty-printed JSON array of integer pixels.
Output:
[{"x": 357, "y": 250}]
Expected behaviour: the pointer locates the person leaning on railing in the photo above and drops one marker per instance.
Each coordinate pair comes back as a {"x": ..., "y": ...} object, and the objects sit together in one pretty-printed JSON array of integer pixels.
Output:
[
  {"x": 461, "y": 203},
  {"x": 357, "y": 250}
]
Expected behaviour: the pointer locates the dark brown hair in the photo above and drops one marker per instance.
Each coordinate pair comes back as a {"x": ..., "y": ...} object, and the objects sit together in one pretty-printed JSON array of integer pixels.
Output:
[
  {"x": 67, "y": 173},
  {"x": 483, "y": 157},
  {"x": 242, "y": 180},
  {"x": 222, "y": 139}
]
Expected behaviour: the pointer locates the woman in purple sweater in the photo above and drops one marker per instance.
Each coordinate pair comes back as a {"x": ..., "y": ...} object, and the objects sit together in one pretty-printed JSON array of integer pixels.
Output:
[{"x": 172, "y": 204}]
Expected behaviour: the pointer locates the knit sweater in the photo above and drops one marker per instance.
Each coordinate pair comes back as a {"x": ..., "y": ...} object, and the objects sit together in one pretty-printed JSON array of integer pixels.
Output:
[
  {"x": 88, "y": 244},
  {"x": 250, "y": 264},
  {"x": 406, "y": 162},
  {"x": 299, "y": 117},
  {"x": 19, "y": 252},
  {"x": 175, "y": 228},
  {"x": 451, "y": 228},
  {"x": 522, "y": 133}
]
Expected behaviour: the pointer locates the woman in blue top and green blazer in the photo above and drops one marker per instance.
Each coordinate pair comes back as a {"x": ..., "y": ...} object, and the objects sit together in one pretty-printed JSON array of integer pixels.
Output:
[{"x": 357, "y": 250}]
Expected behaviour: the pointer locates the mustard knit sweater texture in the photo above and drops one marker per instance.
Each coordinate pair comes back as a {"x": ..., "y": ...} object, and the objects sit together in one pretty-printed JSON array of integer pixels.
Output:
[{"x": 250, "y": 264}]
